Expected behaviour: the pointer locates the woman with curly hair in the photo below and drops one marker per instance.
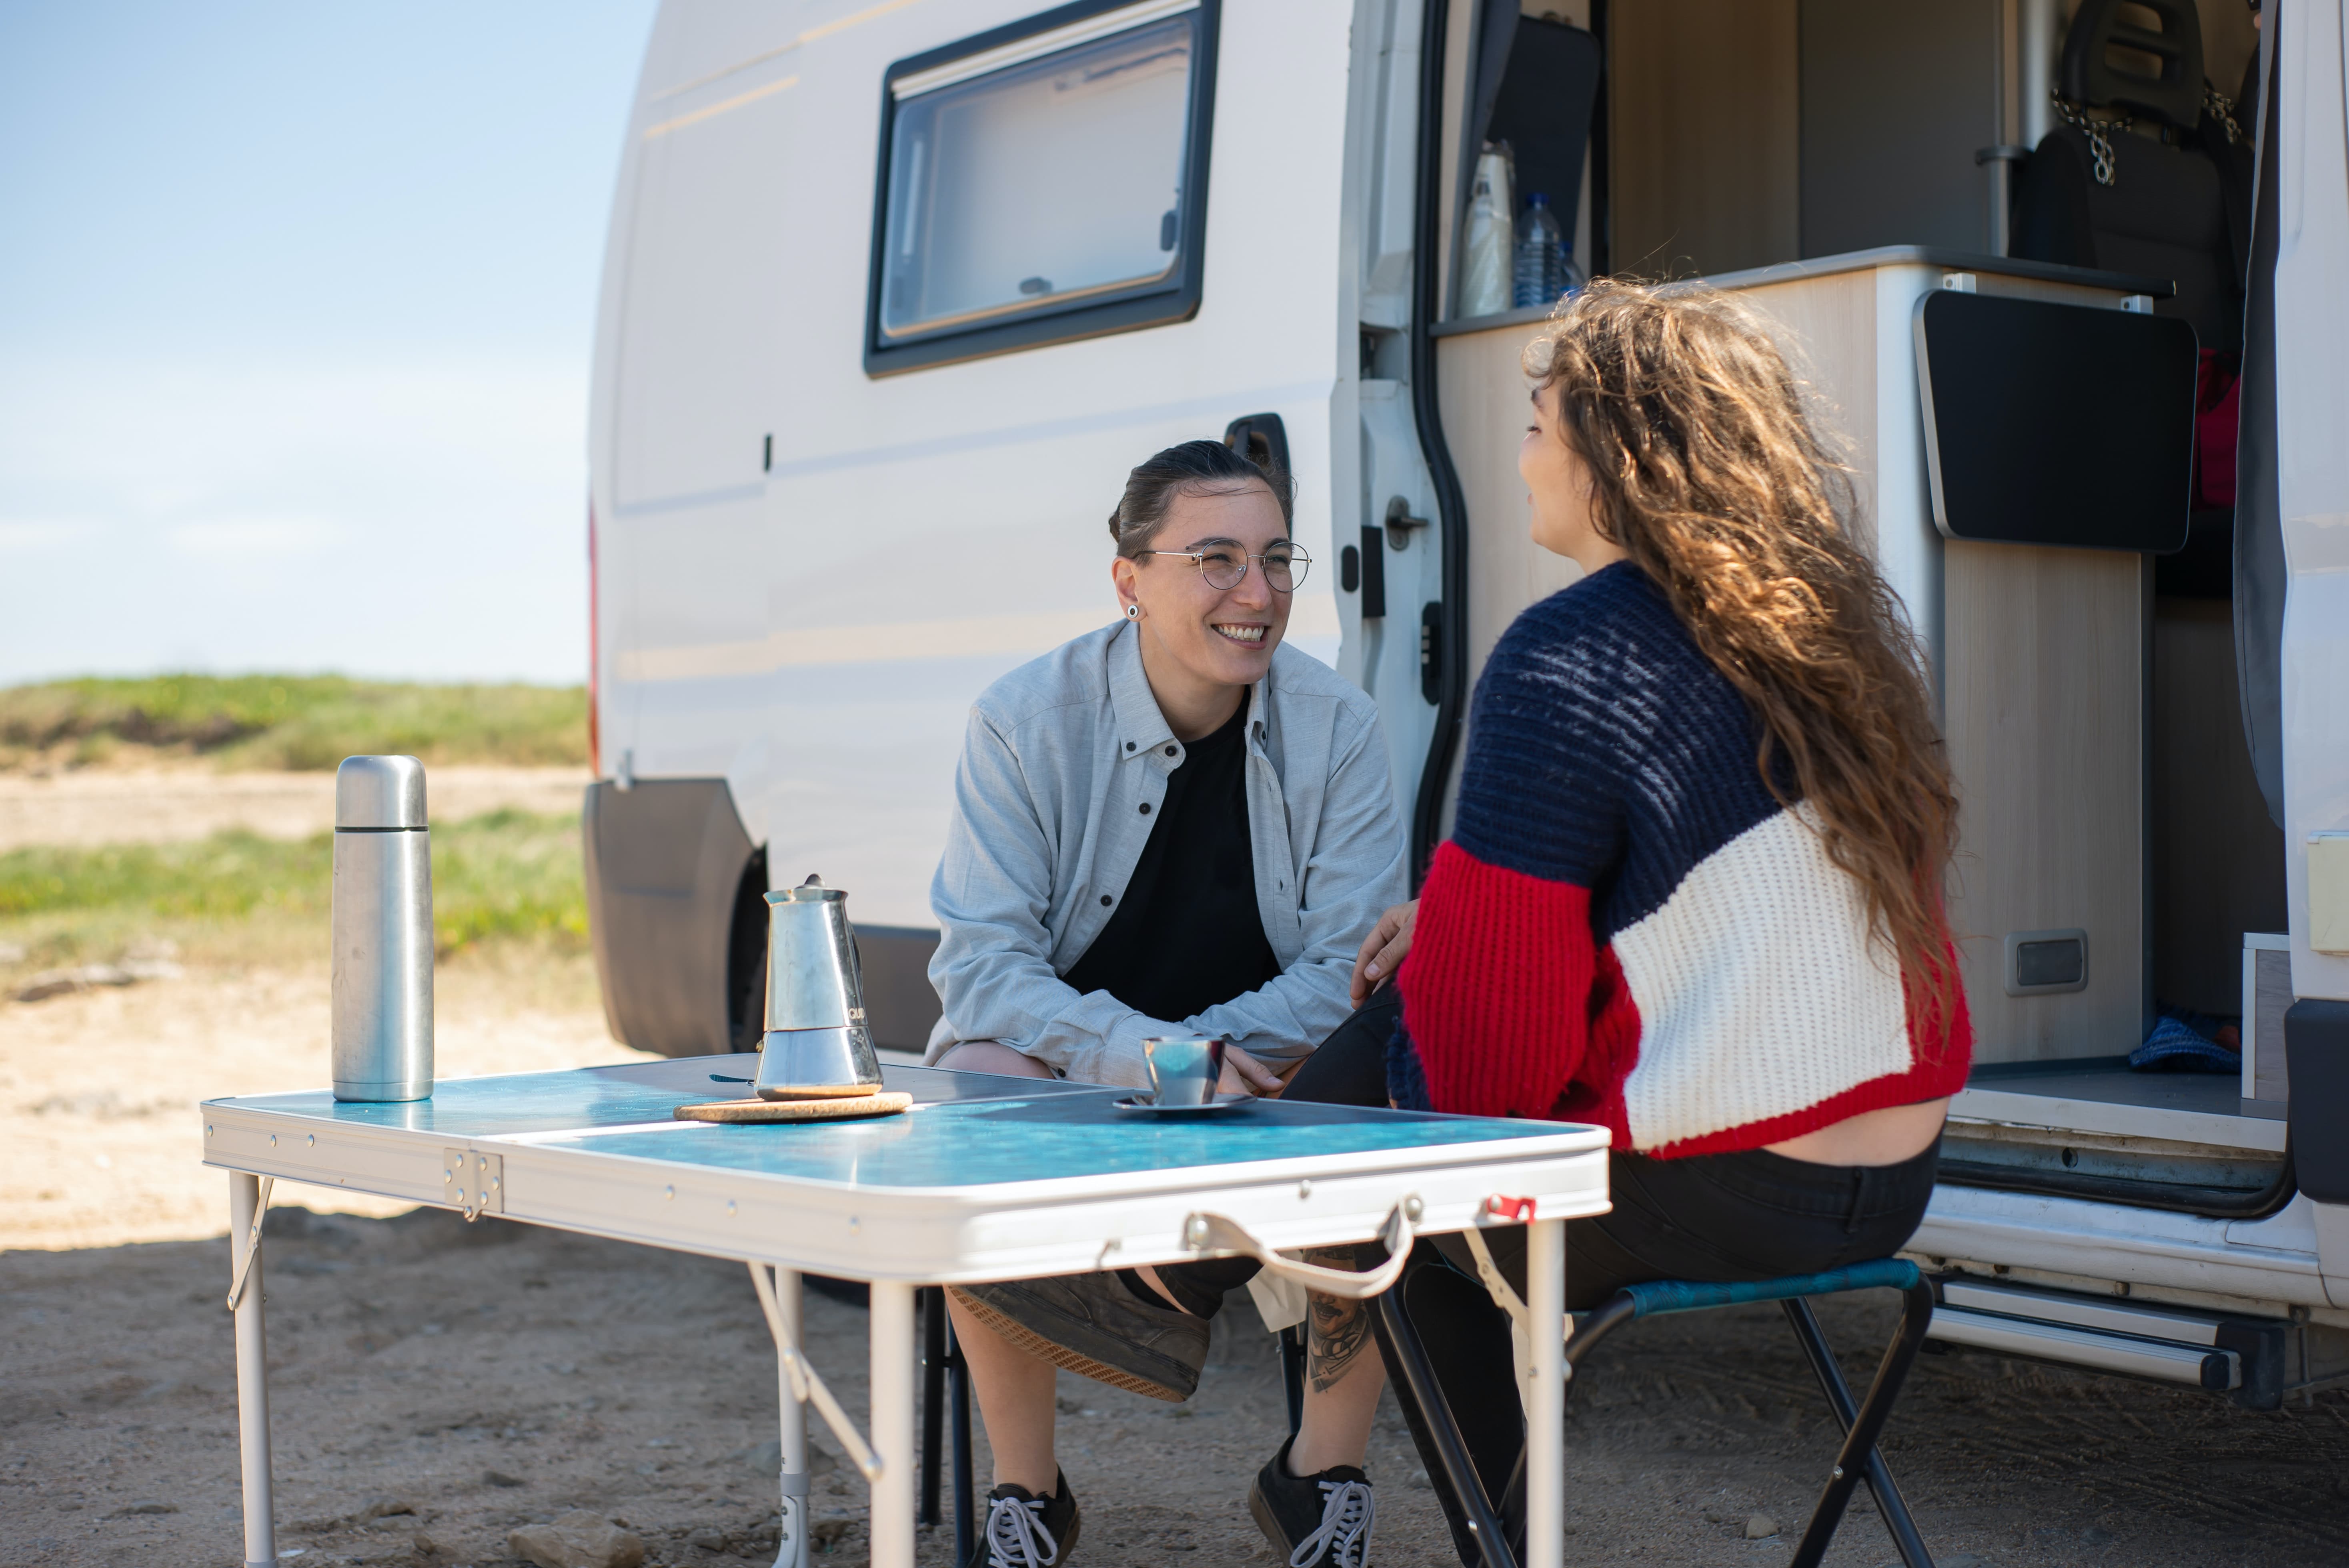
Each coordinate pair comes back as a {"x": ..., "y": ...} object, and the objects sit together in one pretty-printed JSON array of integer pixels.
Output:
[{"x": 1694, "y": 892}]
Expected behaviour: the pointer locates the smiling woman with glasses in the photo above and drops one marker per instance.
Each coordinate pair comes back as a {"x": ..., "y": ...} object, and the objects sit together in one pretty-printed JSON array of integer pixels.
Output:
[{"x": 1173, "y": 826}]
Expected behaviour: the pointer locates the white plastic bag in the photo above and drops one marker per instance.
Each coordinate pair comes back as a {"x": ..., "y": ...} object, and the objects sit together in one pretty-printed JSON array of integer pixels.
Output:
[{"x": 1486, "y": 282}]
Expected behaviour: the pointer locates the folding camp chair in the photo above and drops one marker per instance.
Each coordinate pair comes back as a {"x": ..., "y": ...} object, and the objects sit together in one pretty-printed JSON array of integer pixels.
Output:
[{"x": 1498, "y": 1534}]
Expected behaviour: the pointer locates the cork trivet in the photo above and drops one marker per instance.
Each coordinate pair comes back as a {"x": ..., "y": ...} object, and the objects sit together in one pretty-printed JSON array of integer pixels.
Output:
[{"x": 889, "y": 1102}]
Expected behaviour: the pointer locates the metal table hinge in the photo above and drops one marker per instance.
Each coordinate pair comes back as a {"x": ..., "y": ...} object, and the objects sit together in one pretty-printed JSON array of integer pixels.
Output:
[
  {"x": 248, "y": 1247},
  {"x": 473, "y": 1184},
  {"x": 806, "y": 1387}
]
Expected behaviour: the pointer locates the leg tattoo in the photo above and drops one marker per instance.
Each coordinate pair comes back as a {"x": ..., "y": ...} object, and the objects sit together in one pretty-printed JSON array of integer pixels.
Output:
[{"x": 1337, "y": 1331}]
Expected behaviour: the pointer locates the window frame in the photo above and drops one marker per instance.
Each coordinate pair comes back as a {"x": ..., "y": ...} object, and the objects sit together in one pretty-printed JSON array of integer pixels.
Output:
[{"x": 1159, "y": 301}]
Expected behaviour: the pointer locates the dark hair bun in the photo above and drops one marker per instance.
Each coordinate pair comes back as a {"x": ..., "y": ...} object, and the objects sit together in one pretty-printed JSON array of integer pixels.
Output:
[{"x": 1192, "y": 468}]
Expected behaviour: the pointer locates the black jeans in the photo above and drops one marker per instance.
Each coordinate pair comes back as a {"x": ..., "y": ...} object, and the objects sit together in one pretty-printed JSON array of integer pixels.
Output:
[
  {"x": 1720, "y": 1217},
  {"x": 1723, "y": 1217}
]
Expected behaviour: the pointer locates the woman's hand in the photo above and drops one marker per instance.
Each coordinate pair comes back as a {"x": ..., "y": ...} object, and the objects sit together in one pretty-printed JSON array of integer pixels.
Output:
[
  {"x": 1243, "y": 1074},
  {"x": 1382, "y": 950}
]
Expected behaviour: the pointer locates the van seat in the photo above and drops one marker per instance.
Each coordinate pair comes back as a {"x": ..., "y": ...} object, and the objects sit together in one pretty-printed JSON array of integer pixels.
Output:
[
  {"x": 2158, "y": 208},
  {"x": 2162, "y": 217}
]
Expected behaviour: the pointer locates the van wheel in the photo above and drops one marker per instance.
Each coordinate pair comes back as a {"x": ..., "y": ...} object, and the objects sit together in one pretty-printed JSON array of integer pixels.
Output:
[{"x": 746, "y": 957}]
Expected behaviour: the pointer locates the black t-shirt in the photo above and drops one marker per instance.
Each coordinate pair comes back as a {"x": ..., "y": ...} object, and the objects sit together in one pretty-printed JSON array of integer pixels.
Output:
[{"x": 1187, "y": 935}]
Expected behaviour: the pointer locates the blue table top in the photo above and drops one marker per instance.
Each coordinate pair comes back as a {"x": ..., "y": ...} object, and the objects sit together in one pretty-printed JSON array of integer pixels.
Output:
[{"x": 965, "y": 1130}]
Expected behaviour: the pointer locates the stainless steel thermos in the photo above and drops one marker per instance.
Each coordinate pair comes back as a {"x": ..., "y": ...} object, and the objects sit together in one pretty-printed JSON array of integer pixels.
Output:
[
  {"x": 383, "y": 931},
  {"x": 816, "y": 1044}
]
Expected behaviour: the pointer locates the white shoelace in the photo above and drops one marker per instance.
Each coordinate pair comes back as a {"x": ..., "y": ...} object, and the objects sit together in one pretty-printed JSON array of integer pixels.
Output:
[
  {"x": 1014, "y": 1532},
  {"x": 1347, "y": 1511}
]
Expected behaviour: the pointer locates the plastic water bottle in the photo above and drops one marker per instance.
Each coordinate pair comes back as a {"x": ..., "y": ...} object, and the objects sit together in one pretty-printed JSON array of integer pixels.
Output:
[{"x": 1541, "y": 255}]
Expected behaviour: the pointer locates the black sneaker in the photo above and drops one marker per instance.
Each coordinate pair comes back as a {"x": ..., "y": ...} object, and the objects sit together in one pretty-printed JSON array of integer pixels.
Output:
[
  {"x": 1091, "y": 1324},
  {"x": 1024, "y": 1531},
  {"x": 1316, "y": 1521}
]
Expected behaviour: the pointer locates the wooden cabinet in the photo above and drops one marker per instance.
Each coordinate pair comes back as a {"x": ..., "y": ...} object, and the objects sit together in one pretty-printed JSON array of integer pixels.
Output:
[{"x": 2040, "y": 654}]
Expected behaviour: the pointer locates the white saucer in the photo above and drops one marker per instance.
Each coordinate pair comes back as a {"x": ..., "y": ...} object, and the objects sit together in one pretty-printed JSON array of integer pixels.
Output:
[{"x": 1134, "y": 1107}]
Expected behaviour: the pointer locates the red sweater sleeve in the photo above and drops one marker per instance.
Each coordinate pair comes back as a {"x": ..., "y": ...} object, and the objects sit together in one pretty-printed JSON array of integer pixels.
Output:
[{"x": 1499, "y": 986}]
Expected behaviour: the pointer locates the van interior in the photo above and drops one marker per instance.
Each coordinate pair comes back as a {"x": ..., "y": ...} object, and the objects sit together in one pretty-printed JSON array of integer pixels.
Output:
[{"x": 2072, "y": 186}]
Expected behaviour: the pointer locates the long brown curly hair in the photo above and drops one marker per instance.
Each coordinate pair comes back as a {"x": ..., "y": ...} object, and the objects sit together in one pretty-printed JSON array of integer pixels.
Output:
[{"x": 1711, "y": 477}]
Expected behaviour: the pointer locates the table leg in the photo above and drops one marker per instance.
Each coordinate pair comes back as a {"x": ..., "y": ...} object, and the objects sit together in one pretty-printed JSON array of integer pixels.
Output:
[
  {"x": 892, "y": 1382},
  {"x": 1545, "y": 1400},
  {"x": 252, "y": 1378},
  {"x": 791, "y": 1543}
]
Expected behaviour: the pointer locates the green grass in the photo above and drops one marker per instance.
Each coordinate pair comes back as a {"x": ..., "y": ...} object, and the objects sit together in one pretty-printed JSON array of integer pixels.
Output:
[
  {"x": 291, "y": 721},
  {"x": 508, "y": 875}
]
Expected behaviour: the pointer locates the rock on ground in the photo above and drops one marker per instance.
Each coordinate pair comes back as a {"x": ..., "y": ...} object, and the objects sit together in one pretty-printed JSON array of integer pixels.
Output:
[{"x": 578, "y": 1539}]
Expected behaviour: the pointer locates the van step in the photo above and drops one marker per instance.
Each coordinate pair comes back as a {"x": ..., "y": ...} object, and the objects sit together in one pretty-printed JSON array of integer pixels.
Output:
[
  {"x": 2166, "y": 1344},
  {"x": 2115, "y": 1315},
  {"x": 2154, "y": 1358}
]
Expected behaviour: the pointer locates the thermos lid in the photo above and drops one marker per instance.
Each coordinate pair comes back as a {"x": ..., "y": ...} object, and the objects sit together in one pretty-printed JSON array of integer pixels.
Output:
[
  {"x": 380, "y": 792},
  {"x": 811, "y": 891}
]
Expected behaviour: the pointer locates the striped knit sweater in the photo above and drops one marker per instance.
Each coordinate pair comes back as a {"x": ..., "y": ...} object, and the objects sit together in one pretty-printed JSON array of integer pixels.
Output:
[{"x": 1627, "y": 927}]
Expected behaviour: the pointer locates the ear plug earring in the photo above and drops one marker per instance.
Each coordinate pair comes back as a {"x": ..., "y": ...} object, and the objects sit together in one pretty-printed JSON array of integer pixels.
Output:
[{"x": 1134, "y": 612}]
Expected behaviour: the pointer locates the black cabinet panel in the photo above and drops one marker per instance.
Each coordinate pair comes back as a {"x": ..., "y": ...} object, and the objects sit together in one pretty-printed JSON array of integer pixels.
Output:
[{"x": 2056, "y": 424}]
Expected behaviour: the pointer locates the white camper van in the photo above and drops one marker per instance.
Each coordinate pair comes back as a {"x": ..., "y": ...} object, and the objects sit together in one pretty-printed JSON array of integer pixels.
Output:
[{"x": 897, "y": 290}]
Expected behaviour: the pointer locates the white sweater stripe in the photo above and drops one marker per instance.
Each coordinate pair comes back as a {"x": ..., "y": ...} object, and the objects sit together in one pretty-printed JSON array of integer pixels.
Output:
[{"x": 1742, "y": 1017}]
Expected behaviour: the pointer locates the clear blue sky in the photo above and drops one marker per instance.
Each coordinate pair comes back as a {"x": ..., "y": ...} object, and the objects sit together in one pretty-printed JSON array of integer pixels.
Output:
[{"x": 295, "y": 308}]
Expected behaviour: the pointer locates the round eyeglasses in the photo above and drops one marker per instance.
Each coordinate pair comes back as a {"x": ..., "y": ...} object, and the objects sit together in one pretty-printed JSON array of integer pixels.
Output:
[{"x": 1223, "y": 565}]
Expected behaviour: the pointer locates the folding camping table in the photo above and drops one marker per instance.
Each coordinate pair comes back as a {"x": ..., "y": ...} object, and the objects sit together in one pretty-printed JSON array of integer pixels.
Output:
[{"x": 986, "y": 1178}]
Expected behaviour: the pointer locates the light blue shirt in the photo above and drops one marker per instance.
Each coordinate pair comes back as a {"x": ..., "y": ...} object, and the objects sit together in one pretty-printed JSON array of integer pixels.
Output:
[{"x": 1057, "y": 760}]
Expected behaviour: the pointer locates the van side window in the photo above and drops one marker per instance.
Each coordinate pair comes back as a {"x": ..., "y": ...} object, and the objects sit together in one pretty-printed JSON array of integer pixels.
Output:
[{"x": 1042, "y": 182}]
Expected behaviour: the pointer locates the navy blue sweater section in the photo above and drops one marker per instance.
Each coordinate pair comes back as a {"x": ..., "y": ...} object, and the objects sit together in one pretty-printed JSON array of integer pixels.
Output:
[{"x": 1605, "y": 751}]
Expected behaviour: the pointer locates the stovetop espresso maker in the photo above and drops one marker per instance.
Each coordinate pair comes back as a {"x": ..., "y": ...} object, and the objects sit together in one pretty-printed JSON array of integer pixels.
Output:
[{"x": 816, "y": 1046}]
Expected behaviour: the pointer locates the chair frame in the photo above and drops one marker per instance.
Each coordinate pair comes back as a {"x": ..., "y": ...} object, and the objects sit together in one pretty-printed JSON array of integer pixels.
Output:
[
  {"x": 1499, "y": 1532},
  {"x": 946, "y": 1382}
]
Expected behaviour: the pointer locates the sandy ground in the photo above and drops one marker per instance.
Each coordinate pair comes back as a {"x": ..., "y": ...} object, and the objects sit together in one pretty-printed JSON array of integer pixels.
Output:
[
  {"x": 164, "y": 806},
  {"x": 488, "y": 1376},
  {"x": 492, "y": 1375},
  {"x": 98, "y": 1088},
  {"x": 475, "y": 1379}
]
